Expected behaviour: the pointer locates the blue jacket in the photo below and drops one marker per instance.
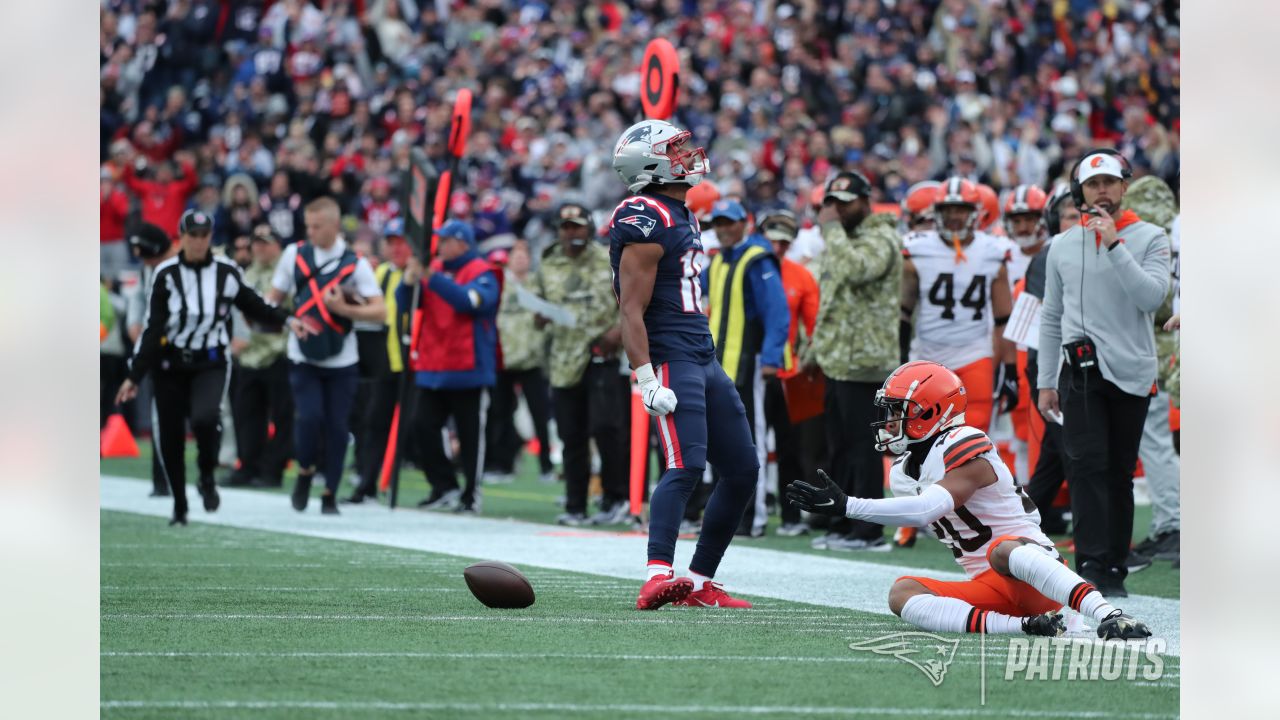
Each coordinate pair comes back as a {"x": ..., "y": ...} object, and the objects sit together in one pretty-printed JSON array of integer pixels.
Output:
[{"x": 766, "y": 299}]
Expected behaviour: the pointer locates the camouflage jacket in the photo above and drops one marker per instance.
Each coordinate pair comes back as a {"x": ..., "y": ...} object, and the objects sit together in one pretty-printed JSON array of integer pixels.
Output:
[
  {"x": 524, "y": 346},
  {"x": 583, "y": 285},
  {"x": 266, "y": 345},
  {"x": 1155, "y": 203},
  {"x": 859, "y": 280}
]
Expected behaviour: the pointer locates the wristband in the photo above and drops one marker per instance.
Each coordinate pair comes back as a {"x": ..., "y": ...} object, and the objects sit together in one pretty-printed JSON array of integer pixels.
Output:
[{"x": 644, "y": 374}]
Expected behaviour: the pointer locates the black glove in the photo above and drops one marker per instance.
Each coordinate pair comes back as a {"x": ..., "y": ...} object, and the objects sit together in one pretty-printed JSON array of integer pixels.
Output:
[
  {"x": 824, "y": 498},
  {"x": 1006, "y": 387}
]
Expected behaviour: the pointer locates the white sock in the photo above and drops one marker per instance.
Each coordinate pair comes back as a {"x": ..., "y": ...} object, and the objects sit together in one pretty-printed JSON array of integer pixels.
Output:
[
  {"x": 698, "y": 580},
  {"x": 1034, "y": 566},
  {"x": 944, "y": 614},
  {"x": 656, "y": 568}
]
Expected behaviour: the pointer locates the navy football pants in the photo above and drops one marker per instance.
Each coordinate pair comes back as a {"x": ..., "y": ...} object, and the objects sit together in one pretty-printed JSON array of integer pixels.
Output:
[{"x": 709, "y": 425}]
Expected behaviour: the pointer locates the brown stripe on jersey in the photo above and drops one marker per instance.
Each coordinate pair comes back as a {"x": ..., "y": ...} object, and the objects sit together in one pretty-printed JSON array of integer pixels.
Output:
[
  {"x": 963, "y": 448},
  {"x": 966, "y": 442},
  {"x": 976, "y": 452}
]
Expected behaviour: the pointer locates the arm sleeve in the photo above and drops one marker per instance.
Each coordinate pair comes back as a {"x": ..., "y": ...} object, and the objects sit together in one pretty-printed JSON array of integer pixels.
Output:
[
  {"x": 478, "y": 297},
  {"x": 144, "y": 356},
  {"x": 910, "y": 511},
  {"x": 404, "y": 295},
  {"x": 1145, "y": 284},
  {"x": 771, "y": 302},
  {"x": 131, "y": 181},
  {"x": 282, "y": 277},
  {"x": 189, "y": 181},
  {"x": 366, "y": 281},
  {"x": 859, "y": 259},
  {"x": 1050, "y": 324}
]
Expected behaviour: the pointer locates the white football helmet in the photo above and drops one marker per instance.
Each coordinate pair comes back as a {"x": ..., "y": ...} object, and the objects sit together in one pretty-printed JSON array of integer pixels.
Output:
[{"x": 654, "y": 151}]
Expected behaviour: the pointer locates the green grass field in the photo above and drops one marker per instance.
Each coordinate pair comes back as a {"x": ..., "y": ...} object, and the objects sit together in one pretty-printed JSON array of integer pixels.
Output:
[{"x": 221, "y": 622}]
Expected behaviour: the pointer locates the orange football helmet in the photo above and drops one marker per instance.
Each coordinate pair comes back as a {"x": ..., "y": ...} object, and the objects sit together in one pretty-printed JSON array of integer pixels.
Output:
[
  {"x": 920, "y": 400},
  {"x": 989, "y": 206},
  {"x": 1025, "y": 200},
  {"x": 917, "y": 205},
  {"x": 701, "y": 197},
  {"x": 956, "y": 191}
]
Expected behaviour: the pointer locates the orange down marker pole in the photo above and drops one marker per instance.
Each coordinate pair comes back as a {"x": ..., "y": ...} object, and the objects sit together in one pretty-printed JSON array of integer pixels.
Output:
[{"x": 639, "y": 450}]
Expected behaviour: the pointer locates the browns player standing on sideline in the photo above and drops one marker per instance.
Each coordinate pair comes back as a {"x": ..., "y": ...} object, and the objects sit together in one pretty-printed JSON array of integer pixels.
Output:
[
  {"x": 956, "y": 276},
  {"x": 1024, "y": 225},
  {"x": 656, "y": 256}
]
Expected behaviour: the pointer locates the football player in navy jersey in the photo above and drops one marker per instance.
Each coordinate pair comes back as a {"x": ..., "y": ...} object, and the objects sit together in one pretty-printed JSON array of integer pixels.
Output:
[{"x": 656, "y": 253}]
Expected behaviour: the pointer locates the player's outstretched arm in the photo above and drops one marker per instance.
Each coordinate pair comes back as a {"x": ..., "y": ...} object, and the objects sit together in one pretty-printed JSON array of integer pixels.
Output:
[
  {"x": 637, "y": 270},
  {"x": 911, "y": 511}
]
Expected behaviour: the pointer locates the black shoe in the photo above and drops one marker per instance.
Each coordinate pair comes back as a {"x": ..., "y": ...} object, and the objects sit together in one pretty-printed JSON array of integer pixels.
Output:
[
  {"x": 209, "y": 493},
  {"x": 1115, "y": 584},
  {"x": 301, "y": 492},
  {"x": 1168, "y": 546},
  {"x": 1047, "y": 625},
  {"x": 1118, "y": 626},
  {"x": 1137, "y": 561},
  {"x": 328, "y": 504},
  {"x": 1146, "y": 547},
  {"x": 178, "y": 519},
  {"x": 160, "y": 493}
]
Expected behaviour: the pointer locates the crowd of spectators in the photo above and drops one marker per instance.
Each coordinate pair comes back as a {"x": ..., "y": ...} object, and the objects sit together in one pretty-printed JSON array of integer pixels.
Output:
[{"x": 248, "y": 109}]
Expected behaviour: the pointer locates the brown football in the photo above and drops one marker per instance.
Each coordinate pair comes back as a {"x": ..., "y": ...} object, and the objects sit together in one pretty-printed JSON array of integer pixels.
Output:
[{"x": 498, "y": 585}]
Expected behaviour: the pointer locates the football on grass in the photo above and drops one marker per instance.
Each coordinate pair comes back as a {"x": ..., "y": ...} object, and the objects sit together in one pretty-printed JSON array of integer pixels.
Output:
[{"x": 498, "y": 585}]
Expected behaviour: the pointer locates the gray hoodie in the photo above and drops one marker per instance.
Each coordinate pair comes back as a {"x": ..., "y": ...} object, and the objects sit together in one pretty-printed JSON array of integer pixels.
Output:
[{"x": 1110, "y": 296}]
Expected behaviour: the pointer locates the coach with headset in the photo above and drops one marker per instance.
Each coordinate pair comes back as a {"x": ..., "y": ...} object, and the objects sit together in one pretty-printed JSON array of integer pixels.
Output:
[{"x": 1105, "y": 279}]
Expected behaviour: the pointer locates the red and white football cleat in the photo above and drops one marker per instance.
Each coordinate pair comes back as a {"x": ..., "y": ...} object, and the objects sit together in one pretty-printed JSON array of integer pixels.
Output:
[
  {"x": 712, "y": 595},
  {"x": 663, "y": 589}
]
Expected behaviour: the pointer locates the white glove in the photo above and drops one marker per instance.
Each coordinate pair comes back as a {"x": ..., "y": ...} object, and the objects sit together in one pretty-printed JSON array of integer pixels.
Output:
[{"x": 658, "y": 400}]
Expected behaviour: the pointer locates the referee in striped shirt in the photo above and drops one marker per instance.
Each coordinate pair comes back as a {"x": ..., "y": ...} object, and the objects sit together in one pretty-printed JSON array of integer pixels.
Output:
[{"x": 184, "y": 344}]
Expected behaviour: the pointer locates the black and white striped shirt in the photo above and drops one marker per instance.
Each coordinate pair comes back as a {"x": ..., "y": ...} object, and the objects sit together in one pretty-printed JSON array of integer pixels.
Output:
[{"x": 189, "y": 308}]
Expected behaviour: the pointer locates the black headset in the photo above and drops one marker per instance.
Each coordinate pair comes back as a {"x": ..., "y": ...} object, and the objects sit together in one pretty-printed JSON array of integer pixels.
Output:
[
  {"x": 1077, "y": 190},
  {"x": 1052, "y": 216}
]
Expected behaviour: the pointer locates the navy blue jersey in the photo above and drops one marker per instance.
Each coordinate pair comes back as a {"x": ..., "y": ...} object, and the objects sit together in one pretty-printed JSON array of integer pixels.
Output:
[{"x": 674, "y": 319}]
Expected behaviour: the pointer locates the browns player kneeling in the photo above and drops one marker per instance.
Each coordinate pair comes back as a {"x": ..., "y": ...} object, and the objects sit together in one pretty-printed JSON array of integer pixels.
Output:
[{"x": 949, "y": 477}]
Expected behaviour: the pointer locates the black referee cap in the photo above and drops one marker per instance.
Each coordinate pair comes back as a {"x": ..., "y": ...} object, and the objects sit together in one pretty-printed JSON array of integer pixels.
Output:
[{"x": 195, "y": 222}]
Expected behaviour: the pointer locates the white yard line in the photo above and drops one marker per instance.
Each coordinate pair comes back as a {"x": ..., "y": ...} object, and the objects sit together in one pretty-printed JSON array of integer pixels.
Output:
[
  {"x": 499, "y": 707},
  {"x": 797, "y": 577}
]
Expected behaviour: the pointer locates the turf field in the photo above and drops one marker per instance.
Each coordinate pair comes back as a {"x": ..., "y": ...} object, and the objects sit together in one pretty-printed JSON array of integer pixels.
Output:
[{"x": 268, "y": 614}]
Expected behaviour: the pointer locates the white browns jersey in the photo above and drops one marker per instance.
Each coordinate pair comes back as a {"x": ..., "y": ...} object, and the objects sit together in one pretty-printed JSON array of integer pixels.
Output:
[
  {"x": 953, "y": 322},
  {"x": 1001, "y": 508},
  {"x": 1018, "y": 263}
]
